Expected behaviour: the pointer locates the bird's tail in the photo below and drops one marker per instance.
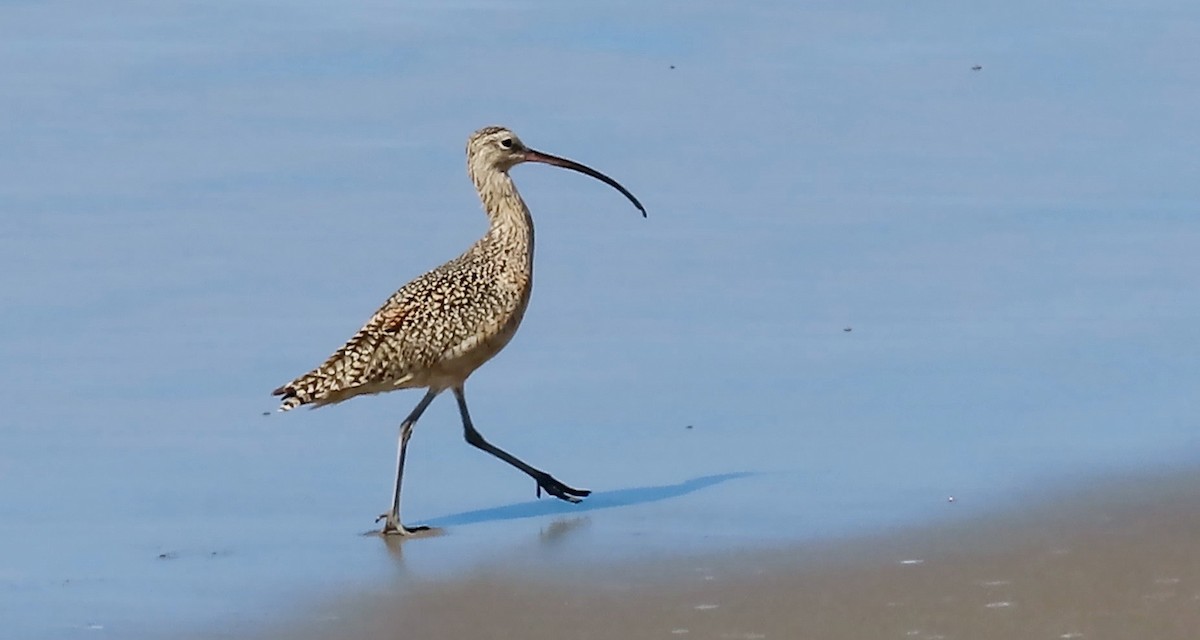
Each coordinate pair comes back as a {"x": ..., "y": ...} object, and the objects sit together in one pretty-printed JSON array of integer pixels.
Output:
[
  {"x": 294, "y": 394},
  {"x": 338, "y": 378},
  {"x": 291, "y": 397},
  {"x": 315, "y": 388}
]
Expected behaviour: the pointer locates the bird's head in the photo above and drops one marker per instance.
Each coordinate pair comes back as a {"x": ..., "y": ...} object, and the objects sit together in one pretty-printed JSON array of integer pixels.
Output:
[{"x": 497, "y": 149}]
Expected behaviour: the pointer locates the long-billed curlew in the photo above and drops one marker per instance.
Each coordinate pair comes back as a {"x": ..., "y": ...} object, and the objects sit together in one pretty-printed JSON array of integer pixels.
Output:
[{"x": 436, "y": 330}]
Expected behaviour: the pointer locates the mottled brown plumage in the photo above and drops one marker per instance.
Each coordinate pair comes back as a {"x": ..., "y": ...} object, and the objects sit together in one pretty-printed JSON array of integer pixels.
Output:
[{"x": 436, "y": 330}]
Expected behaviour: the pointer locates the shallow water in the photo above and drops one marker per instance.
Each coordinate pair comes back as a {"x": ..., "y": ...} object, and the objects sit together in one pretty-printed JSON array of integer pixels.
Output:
[{"x": 201, "y": 202}]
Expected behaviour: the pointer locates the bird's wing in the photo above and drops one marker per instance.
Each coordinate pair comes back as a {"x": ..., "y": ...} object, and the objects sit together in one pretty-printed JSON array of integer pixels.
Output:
[{"x": 411, "y": 332}]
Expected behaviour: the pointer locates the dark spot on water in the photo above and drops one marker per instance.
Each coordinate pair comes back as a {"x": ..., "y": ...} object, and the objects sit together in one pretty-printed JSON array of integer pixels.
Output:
[
  {"x": 672, "y": 66},
  {"x": 848, "y": 329},
  {"x": 170, "y": 555},
  {"x": 688, "y": 427},
  {"x": 977, "y": 67}
]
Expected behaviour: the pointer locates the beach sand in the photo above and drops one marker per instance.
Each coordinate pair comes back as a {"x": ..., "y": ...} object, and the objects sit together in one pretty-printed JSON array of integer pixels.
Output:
[{"x": 1121, "y": 560}]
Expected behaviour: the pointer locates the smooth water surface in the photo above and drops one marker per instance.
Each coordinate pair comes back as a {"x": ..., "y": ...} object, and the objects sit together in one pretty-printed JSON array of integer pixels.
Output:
[{"x": 872, "y": 278}]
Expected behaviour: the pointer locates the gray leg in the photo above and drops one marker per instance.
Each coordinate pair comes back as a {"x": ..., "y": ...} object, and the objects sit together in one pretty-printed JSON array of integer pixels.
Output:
[
  {"x": 392, "y": 524},
  {"x": 543, "y": 479}
]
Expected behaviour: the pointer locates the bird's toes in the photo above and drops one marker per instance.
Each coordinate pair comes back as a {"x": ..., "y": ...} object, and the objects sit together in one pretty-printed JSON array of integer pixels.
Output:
[
  {"x": 567, "y": 497},
  {"x": 559, "y": 490}
]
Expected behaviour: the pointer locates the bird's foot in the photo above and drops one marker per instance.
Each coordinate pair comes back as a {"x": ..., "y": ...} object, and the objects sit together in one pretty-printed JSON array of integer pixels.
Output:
[
  {"x": 559, "y": 490},
  {"x": 393, "y": 527}
]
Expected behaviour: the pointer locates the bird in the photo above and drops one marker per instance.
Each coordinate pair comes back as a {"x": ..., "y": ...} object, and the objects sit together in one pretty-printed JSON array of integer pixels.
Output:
[{"x": 435, "y": 331}]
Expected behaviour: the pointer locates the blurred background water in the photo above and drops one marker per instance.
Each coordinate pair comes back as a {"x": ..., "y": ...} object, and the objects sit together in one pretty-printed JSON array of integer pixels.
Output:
[{"x": 872, "y": 277}]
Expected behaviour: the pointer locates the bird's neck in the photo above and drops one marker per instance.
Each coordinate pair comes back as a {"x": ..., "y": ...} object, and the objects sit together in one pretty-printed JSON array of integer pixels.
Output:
[{"x": 511, "y": 223}]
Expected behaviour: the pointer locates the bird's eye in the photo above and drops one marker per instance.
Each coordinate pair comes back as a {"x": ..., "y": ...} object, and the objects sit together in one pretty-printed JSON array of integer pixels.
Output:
[{"x": 506, "y": 143}]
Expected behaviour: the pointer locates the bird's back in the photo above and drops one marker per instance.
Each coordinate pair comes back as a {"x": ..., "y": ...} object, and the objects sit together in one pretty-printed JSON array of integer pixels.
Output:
[{"x": 433, "y": 332}]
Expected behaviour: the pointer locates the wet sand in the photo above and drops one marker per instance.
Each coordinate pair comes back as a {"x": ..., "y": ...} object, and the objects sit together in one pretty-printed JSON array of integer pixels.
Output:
[{"x": 1121, "y": 560}]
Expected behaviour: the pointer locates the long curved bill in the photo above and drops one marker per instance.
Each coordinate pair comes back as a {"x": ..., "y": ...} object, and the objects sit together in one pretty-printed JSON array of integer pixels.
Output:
[{"x": 545, "y": 158}]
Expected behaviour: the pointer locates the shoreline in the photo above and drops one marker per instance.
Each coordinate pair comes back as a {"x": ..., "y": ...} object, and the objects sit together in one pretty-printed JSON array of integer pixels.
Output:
[{"x": 1116, "y": 559}]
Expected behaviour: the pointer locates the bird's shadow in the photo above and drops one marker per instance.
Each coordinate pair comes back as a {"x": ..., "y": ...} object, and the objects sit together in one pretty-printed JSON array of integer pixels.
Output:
[{"x": 594, "y": 502}]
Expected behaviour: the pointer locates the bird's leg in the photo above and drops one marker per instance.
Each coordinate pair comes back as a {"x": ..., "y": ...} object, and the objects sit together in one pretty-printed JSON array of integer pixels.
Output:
[
  {"x": 544, "y": 480},
  {"x": 392, "y": 524}
]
